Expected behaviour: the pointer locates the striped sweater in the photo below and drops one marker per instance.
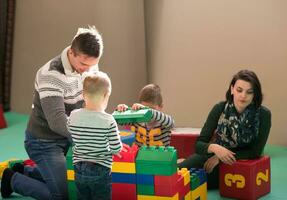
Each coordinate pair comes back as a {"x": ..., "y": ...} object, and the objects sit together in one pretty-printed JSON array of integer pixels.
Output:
[
  {"x": 95, "y": 136},
  {"x": 58, "y": 91},
  {"x": 155, "y": 133}
]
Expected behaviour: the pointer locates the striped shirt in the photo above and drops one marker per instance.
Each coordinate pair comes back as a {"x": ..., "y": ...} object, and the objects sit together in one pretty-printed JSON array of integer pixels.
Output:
[
  {"x": 58, "y": 91},
  {"x": 156, "y": 132},
  {"x": 95, "y": 136}
]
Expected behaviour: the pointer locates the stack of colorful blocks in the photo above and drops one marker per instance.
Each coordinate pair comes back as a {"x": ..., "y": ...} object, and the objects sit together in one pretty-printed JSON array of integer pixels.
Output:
[
  {"x": 124, "y": 174},
  {"x": 150, "y": 173}
]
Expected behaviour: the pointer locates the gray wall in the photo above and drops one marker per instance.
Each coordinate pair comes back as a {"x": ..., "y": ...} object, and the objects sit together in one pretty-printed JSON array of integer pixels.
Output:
[
  {"x": 44, "y": 28},
  {"x": 190, "y": 48},
  {"x": 195, "y": 47}
]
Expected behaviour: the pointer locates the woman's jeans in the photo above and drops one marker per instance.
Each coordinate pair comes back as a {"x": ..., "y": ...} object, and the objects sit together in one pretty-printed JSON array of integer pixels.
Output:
[
  {"x": 93, "y": 181},
  {"x": 49, "y": 179}
]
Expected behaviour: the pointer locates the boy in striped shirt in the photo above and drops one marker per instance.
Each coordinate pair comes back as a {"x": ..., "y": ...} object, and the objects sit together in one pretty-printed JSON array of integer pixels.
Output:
[
  {"x": 156, "y": 132},
  {"x": 96, "y": 138}
]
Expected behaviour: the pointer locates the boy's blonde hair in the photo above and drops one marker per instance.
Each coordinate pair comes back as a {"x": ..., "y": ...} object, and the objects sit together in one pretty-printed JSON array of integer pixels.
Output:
[
  {"x": 96, "y": 84},
  {"x": 151, "y": 93}
]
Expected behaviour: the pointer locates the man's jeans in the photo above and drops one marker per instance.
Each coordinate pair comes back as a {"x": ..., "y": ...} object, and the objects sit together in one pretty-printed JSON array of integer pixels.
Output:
[
  {"x": 49, "y": 179},
  {"x": 93, "y": 181}
]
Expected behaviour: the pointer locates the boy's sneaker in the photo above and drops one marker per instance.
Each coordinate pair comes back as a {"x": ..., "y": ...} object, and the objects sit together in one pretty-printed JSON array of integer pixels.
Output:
[
  {"x": 18, "y": 167},
  {"x": 6, "y": 189}
]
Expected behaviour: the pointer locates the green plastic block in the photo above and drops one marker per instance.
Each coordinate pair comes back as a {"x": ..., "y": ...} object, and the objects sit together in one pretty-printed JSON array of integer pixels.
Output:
[
  {"x": 133, "y": 116},
  {"x": 194, "y": 181},
  {"x": 69, "y": 159},
  {"x": 72, "y": 190},
  {"x": 156, "y": 160},
  {"x": 11, "y": 163},
  {"x": 145, "y": 189}
]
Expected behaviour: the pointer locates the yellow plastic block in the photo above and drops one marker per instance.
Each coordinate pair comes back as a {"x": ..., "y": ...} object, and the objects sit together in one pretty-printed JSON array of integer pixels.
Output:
[
  {"x": 124, "y": 167},
  {"x": 148, "y": 197},
  {"x": 200, "y": 191},
  {"x": 188, "y": 196},
  {"x": 186, "y": 175},
  {"x": 70, "y": 175},
  {"x": 3, "y": 166}
]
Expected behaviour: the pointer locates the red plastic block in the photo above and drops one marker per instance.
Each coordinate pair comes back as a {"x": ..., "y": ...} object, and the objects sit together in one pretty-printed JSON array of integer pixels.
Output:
[
  {"x": 29, "y": 162},
  {"x": 122, "y": 191},
  {"x": 168, "y": 188},
  {"x": 129, "y": 156},
  {"x": 245, "y": 179},
  {"x": 166, "y": 180},
  {"x": 3, "y": 123},
  {"x": 184, "y": 142},
  {"x": 183, "y": 190}
]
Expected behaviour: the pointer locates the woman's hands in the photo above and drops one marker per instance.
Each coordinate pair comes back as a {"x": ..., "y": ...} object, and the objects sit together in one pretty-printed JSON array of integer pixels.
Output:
[
  {"x": 222, "y": 153},
  {"x": 210, "y": 163}
]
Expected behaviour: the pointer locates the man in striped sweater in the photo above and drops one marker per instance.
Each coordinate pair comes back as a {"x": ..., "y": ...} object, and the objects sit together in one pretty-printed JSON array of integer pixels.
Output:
[
  {"x": 58, "y": 91},
  {"x": 96, "y": 138},
  {"x": 156, "y": 132}
]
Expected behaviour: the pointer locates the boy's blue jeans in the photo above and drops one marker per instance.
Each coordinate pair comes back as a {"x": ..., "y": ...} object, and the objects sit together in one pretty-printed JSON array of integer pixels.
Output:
[
  {"x": 93, "y": 181},
  {"x": 49, "y": 179}
]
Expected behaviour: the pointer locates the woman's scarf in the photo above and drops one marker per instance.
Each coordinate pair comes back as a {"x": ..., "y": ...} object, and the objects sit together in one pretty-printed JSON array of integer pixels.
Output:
[{"x": 237, "y": 130}]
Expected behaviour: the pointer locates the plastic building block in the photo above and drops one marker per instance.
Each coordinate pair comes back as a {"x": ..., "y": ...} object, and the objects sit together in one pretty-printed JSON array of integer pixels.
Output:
[
  {"x": 201, "y": 175},
  {"x": 124, "y": 167},
  {"x": 169, "y": 189},
  {"x": 122, "y": 191},
  {"x": 69, "y": 159},
  {"x": 3, "y": 123},
  {"x": 133, "y": 116},
  {"x": 183, "y": 191},
  {"x": 184, "y": 142},
  {"x": 145, "y": 179},
  {"x": 185, "y": 174},
  {"x": 245, "y": 179},
  {"x": 166, "y": 180},
  {"x": 124, "y": 178},
  {"x": 149, "y": 197},
  {"x": 156, "y": 160},
  {"x": 72, "y": 190},
  {"x": 3, "y": 166},
  {"x": 145, "y": 189},
  {"x": 127, "y": 136},
  {"x": 199, "y": 193},
  {"x": 12, "y": 162},
  {"x": 129, "y": 156},
  {"x": 70, "y": 175},
  {"x": 29, "y": 162}
]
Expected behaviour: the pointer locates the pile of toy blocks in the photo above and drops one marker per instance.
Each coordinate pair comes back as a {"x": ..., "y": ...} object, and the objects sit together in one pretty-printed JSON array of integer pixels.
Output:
[
  {"x": 150, "y": 173},
  {"x": 11, "y": 162}
]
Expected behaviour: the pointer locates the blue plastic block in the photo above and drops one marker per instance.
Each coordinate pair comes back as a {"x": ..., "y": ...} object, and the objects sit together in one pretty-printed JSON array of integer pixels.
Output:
[
  {"x": 123, "y": 178},
  {"x": 145, "y": 179}
]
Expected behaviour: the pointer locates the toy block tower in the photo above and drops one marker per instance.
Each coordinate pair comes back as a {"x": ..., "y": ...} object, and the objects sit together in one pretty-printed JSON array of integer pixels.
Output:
[
  {"x": 133, "y": 116},
  {"x": 124, "y": 174},
  {"x": 157, "y": 175},
  {"x": 245, "y": 179},
  {"x": 71, "y": 175},
  {"x": 3, "y": 123}
]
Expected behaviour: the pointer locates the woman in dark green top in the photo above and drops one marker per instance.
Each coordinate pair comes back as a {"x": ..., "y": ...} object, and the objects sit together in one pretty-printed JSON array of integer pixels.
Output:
[{"x": 237, "y": 128}]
